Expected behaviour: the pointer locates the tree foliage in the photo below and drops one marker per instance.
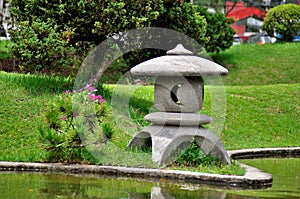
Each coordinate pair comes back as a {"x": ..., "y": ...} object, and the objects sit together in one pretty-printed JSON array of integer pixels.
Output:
[
  {"x": 57, "y": 34},
  {"x": 39, "y": 46},
  {"x": 218, "y": 31},
  {"x": 284, "y": 20},
  {"x": 176, "y": 15}
]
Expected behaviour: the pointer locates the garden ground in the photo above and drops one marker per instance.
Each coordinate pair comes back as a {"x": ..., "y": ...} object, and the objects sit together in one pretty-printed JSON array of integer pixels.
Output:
[{"x": 262, "y": 93}]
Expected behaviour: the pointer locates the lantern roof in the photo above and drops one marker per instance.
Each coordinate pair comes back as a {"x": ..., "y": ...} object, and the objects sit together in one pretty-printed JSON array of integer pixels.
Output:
[{"x": 179, "y": 62}]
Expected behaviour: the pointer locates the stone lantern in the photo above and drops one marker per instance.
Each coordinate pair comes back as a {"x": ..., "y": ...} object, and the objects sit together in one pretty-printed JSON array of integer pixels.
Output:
[{"x": 178, "y": 97}]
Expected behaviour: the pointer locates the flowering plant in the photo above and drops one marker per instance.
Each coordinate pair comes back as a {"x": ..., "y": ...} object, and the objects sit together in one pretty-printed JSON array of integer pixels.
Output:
[{"x": 74, "y": 121}]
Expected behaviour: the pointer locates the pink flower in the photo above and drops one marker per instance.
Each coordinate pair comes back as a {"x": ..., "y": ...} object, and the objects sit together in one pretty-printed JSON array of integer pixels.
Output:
[
  {"x": 67, "y": 92},
  {"x": 92, "y": 97},
  {"x": 64, "y": 117},
  {"x": 101, "y": 101},
  {"x": 92, "y": 89},
  {"x": 87, "y": 86},
  {"x": 99, "y": 97},
  {"x": 74, "y": 91}
]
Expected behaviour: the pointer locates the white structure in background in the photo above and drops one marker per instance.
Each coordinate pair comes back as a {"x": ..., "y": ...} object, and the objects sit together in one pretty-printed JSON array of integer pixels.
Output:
[
  {"x": 266, "y": 3},
  {"x": 7, "y": 22}
]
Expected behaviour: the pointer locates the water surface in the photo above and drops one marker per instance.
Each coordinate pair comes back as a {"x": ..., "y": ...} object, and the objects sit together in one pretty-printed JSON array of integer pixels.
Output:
[{"x": 286, "y": 184}]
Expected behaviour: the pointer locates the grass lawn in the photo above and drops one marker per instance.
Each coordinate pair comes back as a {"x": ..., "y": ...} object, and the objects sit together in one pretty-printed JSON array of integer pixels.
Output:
[
  {"x": 261, "y": 64},
  {"x": 262, "y": 116},
  {"x": 257, "y": 116},
  {"x": 23, "y": 99},
  {"x": 260, "y": 113}
]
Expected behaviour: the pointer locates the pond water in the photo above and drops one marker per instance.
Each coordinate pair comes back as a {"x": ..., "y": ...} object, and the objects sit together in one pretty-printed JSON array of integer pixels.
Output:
[{"x": 286, "y": 184}]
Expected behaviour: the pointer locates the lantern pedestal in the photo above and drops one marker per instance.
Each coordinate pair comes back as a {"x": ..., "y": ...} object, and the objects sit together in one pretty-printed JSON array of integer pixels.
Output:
[{"x": 167, "y": 142}]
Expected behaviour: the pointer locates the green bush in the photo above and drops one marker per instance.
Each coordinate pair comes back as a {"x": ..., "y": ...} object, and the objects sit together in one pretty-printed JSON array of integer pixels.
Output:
[
  {"x": 60, "y": 28},
  {"x": 56, "y": 35},
  {"x": 176, "y": 15},
  {"x": 194, "y": 156},
  {"x": 218, "y": 31},
  {"x": 285, "y": 20},
  {"x": 39, "y": 46},
  {"x": 4, "y": 46},
  {"x": 73, "y": 125}
]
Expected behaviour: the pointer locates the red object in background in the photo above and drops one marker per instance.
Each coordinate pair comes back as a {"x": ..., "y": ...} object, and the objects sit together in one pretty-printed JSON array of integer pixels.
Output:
[
  {"x": 241, "y": 11},
  {"x": 239, "y": 29},
  {"x": 247, "y": 12}
]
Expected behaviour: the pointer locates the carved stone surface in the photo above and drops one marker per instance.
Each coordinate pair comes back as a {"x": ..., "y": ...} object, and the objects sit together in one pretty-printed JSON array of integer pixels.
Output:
[
  {"x": 167, "y": 140},
  {"x": 179, "y": 62},
  {"x": 178, "y": 94},
  {"x": 184, "y": 65},
  {"x": 179, "y": 50},
  {"x": 185, "y": 119}
]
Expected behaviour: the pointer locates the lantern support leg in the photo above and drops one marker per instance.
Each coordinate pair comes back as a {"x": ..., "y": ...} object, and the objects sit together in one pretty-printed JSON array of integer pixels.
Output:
[{"x": 168, "y": 141}]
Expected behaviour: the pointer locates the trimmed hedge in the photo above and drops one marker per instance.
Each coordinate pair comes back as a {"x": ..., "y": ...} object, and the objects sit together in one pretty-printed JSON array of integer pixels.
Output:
[{"x": 285, "y": 20}]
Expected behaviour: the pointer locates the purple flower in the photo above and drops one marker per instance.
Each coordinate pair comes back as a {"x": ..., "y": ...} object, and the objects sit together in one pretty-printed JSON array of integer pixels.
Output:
[
  {"x": 92, "y": 97},
  {"x": 101, "y": 101},
  {"x": 92, "y": 89},
  {"x": 67, "y": 92},
  {"x": 99, "y": 97},
  {"x": 64, "y": 117}
]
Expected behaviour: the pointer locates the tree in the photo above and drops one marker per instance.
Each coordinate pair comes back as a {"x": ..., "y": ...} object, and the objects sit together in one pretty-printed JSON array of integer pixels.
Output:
[
  {"x": 75, "y": 26},
  {"x": 50, "y": 31},
  {"x": 177, "y": 15},
  {"x": 284, "y": 20},
  {"x": 218, "y": 31},
  {"x": 215, "y": 37}
]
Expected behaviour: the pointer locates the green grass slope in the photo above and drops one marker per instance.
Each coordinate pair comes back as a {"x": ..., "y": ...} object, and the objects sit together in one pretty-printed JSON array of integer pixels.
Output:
[
  {"x": 262, "y": 116},
  {"x": 277, "y": 63},
  {"x": 23, "y": 99}
]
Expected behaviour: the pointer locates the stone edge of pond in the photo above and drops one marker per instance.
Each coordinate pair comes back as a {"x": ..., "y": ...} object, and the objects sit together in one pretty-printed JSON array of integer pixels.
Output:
[
  {"x": 281, "y": 152},
  {"x": 253, "y": 179}
]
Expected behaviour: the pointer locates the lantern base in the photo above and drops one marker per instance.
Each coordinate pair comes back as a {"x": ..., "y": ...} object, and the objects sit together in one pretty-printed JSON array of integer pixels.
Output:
[
  {"x": 178, "y": 119},
  {"x": 168, "y": 142}
]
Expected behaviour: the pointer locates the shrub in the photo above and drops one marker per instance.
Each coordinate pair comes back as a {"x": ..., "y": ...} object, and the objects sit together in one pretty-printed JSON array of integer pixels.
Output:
[
  {"x": 211, "y": 31},
  {"x": 64, "y": 27},
  {"x": 284, "y": 20},
  {"x": 176, "y": 15},
  {"x": 107, "y": 129},
  {"x": 4, "y": 45},
  {"x": 39, "y": 46},
  {"x": 218, "y": 31},
  {"x": 73, "y": 124},
  {"x": 194, "y": 156},
  {"x": 50, "y": 33}
]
